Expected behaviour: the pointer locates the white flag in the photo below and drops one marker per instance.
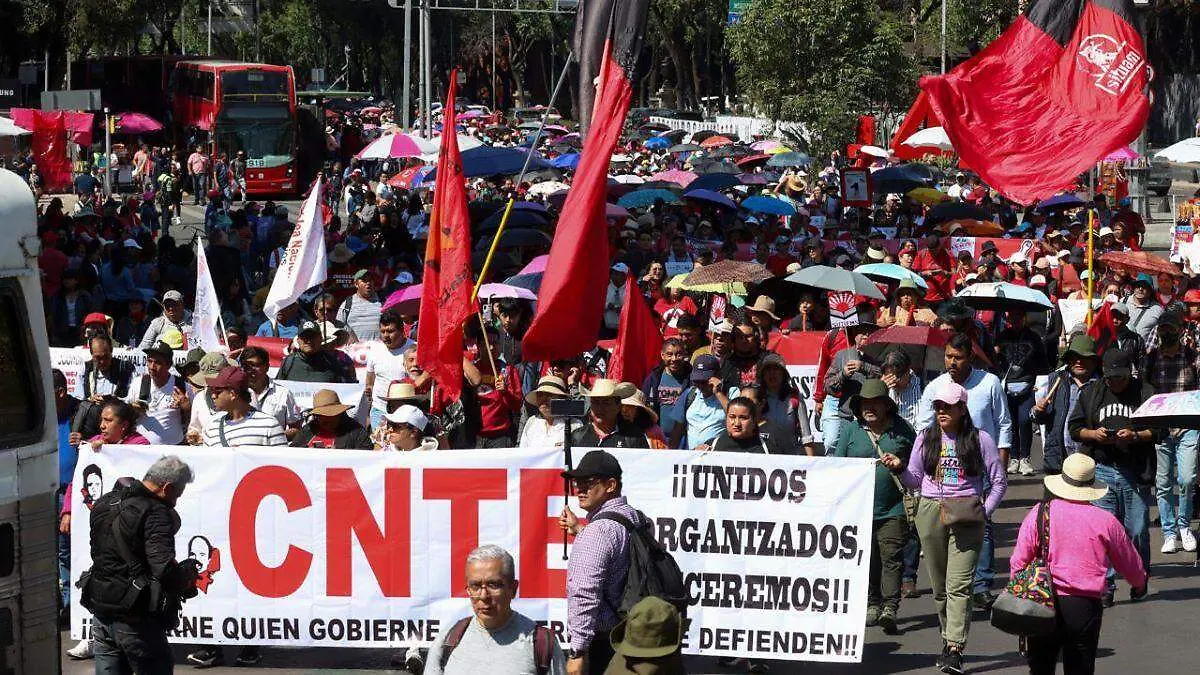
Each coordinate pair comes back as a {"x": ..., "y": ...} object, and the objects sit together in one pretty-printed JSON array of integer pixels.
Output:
[
  {"x": 207, "y": 314},
  {"x": 303, "y": 263}
]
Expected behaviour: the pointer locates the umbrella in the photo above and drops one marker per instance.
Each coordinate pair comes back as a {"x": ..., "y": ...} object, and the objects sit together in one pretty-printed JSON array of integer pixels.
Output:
[
  {"x": 410, "y": 178},
  {"x": 928, "y": 196},
  {"x": 680, "y": 281},
  {"x": 405, "y": 301},
  {"x": 778, "y": 149},
  {"x": 974, "y": 228},
  {"x": 750, "y": 178},
  {"x": 924, "y": 345},
  {"x": 488, "y": 291},
  {"x": 789, "y": 158},
  {"x": 397, "y": 146},
  {"x": 890, "y": 272},
  {"x": 753, "y": 160},
  {"x": 765, "y": 145},
  {"x": 548, "y": 187},
  {"x": 718, "y": 167},
  {"x": 681, "y": 178},
  {"x": 657, "y": 143},
  {"x": 711, "y": 197},
  {"x": 529, "y": 126},
  {"x": 898, "y": 179},
  {"x": 518, "y": 218},
  {"x": 703, "y": 135},
  {"x": 137, "y": 123},
  {"x": 10, "y": 128},
  {"x": 873, "y": 150},
  {"x": 713, "y": 141},
  {"x": 529, "y": 206},
  {"x": 615, "y": 211},
  {"x": 729, "y": 152},
  {"x": 1122, "y": 154},
  {"x": 490, "y": 161},
  {"x": 956, "y": 211},
  {"x": 516, "y": 238},
  {"x": 567, "y": 161},
  {"x": 933, "y": 137},
  {"x": 538, "y": 264},
  {"x": 629, "y": 179},
  {"x": 684, "y": 147},
  {"x": 1140, "y": 261},
  {"x": 1067, "y": 200},
  {"x": 727, "y": 272},
  {"x": 1186, "y": 151},
  {"x": 1179, "y": 409},
  {"x": 556, "y": 130},
  {"x": 836, "y": 279},
  {"x": 639, "y": 199},
  {"x": 715, "y": 181},
  {"x": 1004, "y": 296},
  {"x": 675, "y": 135},
  {"x": 769, "y": 205},
  {"x": 531, "y": 281}
]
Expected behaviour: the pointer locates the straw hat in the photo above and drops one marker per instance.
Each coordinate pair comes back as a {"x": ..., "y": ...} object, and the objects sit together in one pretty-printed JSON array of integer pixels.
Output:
[
  {"x": 765, "y": 305},
  {"x": 341, "y": 254},
  {"x": 638, "y": 400},
  {"x": 605, "y": 388},
  {"x": 1077, "y": 482},
  {"x": 404, "y": 391},
  {"x": 327, "y": 404},
  {"x": 551, "y": 385}
]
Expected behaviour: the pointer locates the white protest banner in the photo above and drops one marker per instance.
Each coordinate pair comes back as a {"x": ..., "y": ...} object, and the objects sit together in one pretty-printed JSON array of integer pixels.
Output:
[
  {"x": 1074, "y": 312},
  {"x": 303, "y": 265},
  {"x": 367, "y": 549},
  {"x": 207, "y": 313},
  {"x": 71, "y": 361}
]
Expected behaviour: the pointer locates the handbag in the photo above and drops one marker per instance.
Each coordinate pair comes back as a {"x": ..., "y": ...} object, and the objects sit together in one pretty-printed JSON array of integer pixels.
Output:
[
  {"x": 960, "y": 510},
  {"x": 1026, "y": 607}
]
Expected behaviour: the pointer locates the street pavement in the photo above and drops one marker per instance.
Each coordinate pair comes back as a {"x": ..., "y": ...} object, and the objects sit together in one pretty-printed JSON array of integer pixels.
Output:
[{"x": 1153, "y": 635}]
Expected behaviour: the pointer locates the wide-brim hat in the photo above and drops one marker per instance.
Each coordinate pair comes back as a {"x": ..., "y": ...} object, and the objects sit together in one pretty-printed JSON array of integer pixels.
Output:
[
  {"x": 341, "y": 254},
  {"x": 1077, "y": 482},
  {"x": 872, "y": 388},
  {"x": 765, "y": 305},
  {"x": 404, "y": 391},
  {"x": 605, "y": 388},
  {"x": 638, "y": 400},
  {"x": 1081, "y": 345},
  {"x": 652, "y": 629},
  {"x": 550, "y": 385},
  {"x": 325, "y": 402}
]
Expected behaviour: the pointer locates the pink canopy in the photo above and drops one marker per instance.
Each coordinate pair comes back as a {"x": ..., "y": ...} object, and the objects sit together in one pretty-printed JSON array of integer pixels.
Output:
[
  {"x": 677, "y": 176},
  {"x": 1122, "y": 154},
  {"x": 137, "y": 123}
]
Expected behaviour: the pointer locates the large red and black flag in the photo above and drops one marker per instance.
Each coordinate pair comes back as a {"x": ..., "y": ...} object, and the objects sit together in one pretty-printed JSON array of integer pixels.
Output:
[
  {"x": 605, "y": 29},
  {"x": 446, "y": 288},
  {"x": 1062, "y": 87},
  {"x": 571, "y": 300}
]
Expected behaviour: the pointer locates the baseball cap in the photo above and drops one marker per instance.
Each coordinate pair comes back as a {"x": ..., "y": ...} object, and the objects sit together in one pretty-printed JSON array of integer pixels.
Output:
[
  {"x": 1120, "y": 307},
  {"x": 950, "y": 392},
  {"x": 361, "y": 274},
  {"x": 160, "y": 348},
  {"x": 595, "y": 463},
  {"x": 1037, "y": 280},
  {"x": 95, "y": 317},
  {"x": 172, "y": 296},
  {"x": 1116, "y": 363},
  {"x": 410, "y": 415},
  {"x": 132, "y": 243},
  {"x": 230, "y": 377},
  {"x": 725, "y": 326},
  {"x": 210, "y": 365},
  {"x": 704, "y": 368},
  {"x": 621, "y": 267},
  {"x": 404, "y": 277}
]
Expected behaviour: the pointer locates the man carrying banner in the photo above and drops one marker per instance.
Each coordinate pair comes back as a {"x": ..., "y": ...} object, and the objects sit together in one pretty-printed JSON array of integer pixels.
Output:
[{"x": 496, "y": 640}]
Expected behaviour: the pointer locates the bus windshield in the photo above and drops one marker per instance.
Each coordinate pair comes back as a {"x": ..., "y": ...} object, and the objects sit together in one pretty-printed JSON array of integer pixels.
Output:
[
  {"x": 265, "y": 132},
  {"x": 254, "y": 82}
]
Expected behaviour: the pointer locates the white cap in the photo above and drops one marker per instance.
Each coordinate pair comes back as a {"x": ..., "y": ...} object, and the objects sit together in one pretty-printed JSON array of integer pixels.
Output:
[
  {"x": 1037, "y": 280},
  {"x": 130, "y": 243},
  {"x": 1105, "y": 231},
  {"x": 971, "y": 277},
  {"x": 410, "y": 415},
  {"x": 1086, "y": 274},
  {"x": 172, "y": 295},
  {"x": 1017, "y": 257},
  {"x": 621, "y": 267}
]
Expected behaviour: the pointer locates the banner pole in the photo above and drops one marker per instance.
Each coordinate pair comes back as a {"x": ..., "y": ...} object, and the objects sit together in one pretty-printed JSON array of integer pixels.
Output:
[
  {"x": 487, "y": 262},
  {"x": 1090, "y": 264},
  {"x": 487, "y": 345}
]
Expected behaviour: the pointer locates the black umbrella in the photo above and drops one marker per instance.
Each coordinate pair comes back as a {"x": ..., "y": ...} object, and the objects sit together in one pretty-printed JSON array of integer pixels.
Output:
[
  {"x": 515, "y": 238},
  {"x": 518, "y": 218},
  {"x": 717, "y": 167},
  {"x": 660, "y": 185},
  {"x": 714, "y": 181},
  {"x": 675, "y": 135},
  {"x": 897, "y": 179},
  {"x": 704, "y": 134},
  {"x": 685, "y": 147},
  {"x": 947, "y": 211}
]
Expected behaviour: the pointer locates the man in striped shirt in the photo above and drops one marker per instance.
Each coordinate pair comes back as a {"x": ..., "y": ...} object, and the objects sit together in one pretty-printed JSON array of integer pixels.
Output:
[{"x": 237, "y": 422}]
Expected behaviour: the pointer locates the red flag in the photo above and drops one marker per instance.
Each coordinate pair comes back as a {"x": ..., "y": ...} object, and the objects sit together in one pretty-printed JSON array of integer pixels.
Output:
[
  {"x": 920, "y": 116},
  {"x": 1060, "y": 89},
  {"x": 638, "y": 339},
  {"x": 571, "y": 300},
  {"x": 446, "y": 289},
  {"x": 1102, "y": 329}
]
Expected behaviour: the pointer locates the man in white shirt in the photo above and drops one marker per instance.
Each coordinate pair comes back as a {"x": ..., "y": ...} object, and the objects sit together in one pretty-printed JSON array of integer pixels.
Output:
[
  {"x": 265, "y": 394},
  {"x": 614, "y": 299},
  {"x": 386, "y": 362},
  {"x": 161, "y": 398}
]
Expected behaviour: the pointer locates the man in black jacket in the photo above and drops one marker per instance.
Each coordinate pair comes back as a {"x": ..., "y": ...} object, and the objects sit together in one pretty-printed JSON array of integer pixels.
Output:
[{"x": 136, "y": 585}]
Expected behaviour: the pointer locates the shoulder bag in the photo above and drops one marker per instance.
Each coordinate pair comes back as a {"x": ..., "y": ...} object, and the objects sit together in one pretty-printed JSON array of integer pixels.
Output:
[
  {"x": 911, "y": 501},
  {"x": 1026, "y": 607}
]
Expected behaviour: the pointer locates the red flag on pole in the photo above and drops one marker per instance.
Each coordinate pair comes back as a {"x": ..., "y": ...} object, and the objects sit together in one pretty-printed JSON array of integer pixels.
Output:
[
  {"x": 571, "y": 300},
  {"x": 638, "y": 339},
  {"x": 1060, "y": 89},
  {"x": 1102, "y": 329},
  {"x": 446, "y": 289}
]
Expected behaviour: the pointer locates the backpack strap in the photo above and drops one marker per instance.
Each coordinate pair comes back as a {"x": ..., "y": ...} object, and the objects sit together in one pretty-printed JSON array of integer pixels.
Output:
[
  {"x": 543, "y": 649},
  {"x": 453, "y": 637}
]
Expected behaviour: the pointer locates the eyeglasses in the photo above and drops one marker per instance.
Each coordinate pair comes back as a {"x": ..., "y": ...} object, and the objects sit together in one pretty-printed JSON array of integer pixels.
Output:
[
  {"x": 479, "y": 588},
  {"x": 584, "y": 484}
]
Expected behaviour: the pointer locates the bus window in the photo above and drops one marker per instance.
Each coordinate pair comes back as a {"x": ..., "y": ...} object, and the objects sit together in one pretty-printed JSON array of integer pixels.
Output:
[{"x": 21, "y": 416}]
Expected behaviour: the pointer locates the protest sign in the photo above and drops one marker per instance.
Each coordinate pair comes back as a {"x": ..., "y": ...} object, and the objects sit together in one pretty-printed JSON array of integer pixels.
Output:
[
  {"x": 71, "y": 361},
  {"x": 367, "y": 549},
  {"x": 350, "y": 394}
]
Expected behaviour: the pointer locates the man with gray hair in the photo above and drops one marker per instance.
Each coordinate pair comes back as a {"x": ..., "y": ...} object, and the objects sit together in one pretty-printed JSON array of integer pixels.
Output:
[
  {"x": 133, "y": 531},
  {"x": 496, "y": 640}
]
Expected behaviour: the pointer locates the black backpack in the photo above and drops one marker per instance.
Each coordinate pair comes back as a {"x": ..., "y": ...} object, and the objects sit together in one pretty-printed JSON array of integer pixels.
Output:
[
  {"x": 543, "y": 645},
  {"x": 652, "y": 570}
]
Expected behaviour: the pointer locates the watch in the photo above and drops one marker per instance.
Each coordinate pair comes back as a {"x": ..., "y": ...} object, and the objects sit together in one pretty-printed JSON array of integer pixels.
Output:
[{"x": 572, "y": 654}]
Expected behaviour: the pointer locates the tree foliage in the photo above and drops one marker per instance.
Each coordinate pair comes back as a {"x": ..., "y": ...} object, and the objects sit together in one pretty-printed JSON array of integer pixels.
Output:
[{"x": 822, "y": 64}]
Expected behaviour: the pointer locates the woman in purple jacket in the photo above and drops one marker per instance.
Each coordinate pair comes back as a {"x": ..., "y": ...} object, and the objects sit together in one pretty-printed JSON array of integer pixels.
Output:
[{"x": 958, "y": 471}]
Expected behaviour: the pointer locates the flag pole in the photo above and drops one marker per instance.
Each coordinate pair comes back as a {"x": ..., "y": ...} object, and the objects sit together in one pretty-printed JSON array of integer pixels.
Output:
[
  {"x": 1090, "y": 262},
  {"x": 487, "y": 345},
  {"x": 487, "y": 262}
]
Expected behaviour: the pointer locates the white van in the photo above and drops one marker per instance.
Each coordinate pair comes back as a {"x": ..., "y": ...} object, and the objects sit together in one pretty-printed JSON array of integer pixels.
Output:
[{"x": 29, "y": 638}]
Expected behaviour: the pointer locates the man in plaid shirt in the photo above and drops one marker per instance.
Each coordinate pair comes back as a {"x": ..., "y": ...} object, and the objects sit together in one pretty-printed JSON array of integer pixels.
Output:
[
  {"x": 599, "y": 561},
  {"x": 1173, "y": 367}
]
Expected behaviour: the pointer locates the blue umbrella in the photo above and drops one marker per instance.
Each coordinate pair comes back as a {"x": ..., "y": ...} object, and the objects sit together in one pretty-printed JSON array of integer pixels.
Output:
[
  {"x": 711, "y": 197},
  {"x": 567, "y": 161},
  {"x": 768, "y": 205},
  {"x": 490, "y": 161},
  {"x": 1063, "y": 201},
  {"x": 639, "y": 199},
  {"x": 530, "y": 206},
  {"x": 714, "y": 181},
  {"x": 896, "y": 179},
  {"x": 658, "y": 143},
  {"x": 518, "y": 218},
  {"x": 891, "y": 272},
  {"x": 785, "y": 159}
]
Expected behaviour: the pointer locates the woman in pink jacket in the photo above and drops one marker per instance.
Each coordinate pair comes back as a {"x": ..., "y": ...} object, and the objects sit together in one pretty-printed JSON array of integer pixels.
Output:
[{"x": 1084, "y": 541}]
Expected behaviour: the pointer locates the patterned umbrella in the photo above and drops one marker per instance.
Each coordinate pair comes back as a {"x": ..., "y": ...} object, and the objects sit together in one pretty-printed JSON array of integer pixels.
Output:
[
  {"x": 677, "y": 176},
  {"x": 728, "y": 272},
  {"x": 1180, "y": 409},
  {"x": 1140, "y": 261}
]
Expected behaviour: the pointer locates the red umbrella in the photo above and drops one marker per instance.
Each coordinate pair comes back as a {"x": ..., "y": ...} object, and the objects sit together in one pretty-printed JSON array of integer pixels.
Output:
[
  {"x": 925, "y": 345},
  {"x": 137, "y": 123},
  {"x": 1140, "y": 261},
  {"x": 715, "y": 142},
  {"x": 752, "y": 160}
]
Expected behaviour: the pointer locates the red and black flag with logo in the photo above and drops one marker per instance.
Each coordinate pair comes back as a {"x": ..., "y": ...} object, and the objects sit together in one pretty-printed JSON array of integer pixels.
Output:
[
  {"x": 1062, "y": 87},
  {"x": 571, "y": 299}
]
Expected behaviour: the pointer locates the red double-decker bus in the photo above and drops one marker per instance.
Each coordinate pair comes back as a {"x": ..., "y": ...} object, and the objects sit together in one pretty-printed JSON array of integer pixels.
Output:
[{"x": 231, "y": 106}]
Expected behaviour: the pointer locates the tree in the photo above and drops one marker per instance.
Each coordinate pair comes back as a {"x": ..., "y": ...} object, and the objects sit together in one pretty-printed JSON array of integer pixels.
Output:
[{"x": 822, "y": 64}]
